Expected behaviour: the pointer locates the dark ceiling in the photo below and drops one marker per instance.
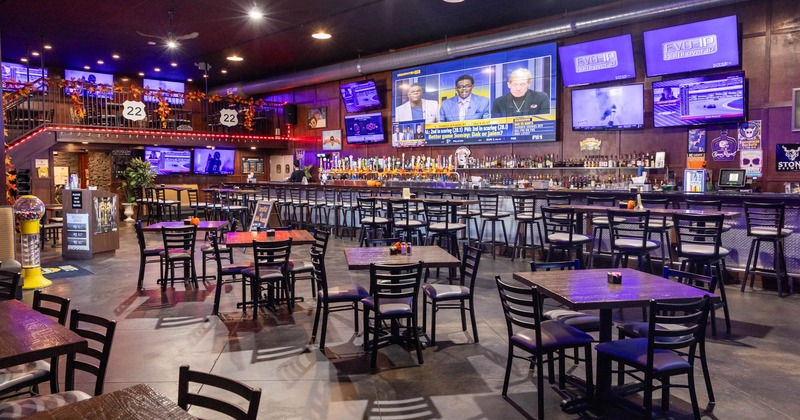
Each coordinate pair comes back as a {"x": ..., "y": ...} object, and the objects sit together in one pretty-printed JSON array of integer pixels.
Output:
[{"x": 85, "y": 31}]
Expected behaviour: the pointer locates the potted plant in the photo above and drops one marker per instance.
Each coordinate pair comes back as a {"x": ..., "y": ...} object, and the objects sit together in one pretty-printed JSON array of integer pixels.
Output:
[{"x": 139, "y": 174}]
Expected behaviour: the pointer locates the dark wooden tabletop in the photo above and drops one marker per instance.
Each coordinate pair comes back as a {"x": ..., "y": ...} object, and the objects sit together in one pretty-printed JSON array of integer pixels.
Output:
[
  {"x": 139, "y": 402},
  {"x": 243, "y": 239},
  {"x": 26, "y": 335},
  {"x": 431, "y": 256},
  {"x": 451, "y": 201},
  {"x": 584, "y": 208},
  {"x": 589, "y": 289},
  {"x": 204, "y": 225}
]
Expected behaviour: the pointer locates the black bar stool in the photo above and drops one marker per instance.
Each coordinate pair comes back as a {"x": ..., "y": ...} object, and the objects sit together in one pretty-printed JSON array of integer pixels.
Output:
[
  {"x": 662, "y": 226},
  {"x": 600, "y": 220},
  {"x": 465, "y": 215},
  {"x": 559, "y": 227},
  {"x": 527, "y": 217},
  {"x": 371, "y": 223},
  {"x": 765, "y": 224},
  {"x": 490, "y": 212}
]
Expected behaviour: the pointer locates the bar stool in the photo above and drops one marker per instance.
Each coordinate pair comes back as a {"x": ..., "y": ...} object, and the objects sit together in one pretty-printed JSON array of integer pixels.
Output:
[
  {"x": 765, "y": 224},
  {"x": 662, "y": 226},
  {"x": 349, "y": 203},
  {"x": 629, "y": 231},
  {"x": 559, "y": 228},
  {"x": 706, "y": 205},
  {"x": 299, "y": 206},
  {"x": 166, "y": 206},
  {"x": 370, "y": 221},
  {"x": 195, "y": 204},
  {"x": 600, "y": 220},
  {"x": 441, "y": 230},
  {"x": 465, "y": 215},
  {"x": 526, "y": 216},
  {"x": 490, "y": 212},
  {"x": 401, "y": 220},
  {"x": 331, "y": 204},
  {"x": 316, "y": 206}
]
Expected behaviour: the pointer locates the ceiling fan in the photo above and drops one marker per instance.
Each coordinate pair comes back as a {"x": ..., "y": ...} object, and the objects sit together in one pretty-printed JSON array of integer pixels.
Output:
[{"x": 172, "y": 40}]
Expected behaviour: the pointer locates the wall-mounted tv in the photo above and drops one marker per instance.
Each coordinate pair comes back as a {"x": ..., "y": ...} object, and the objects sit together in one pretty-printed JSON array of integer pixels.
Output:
[
  {"x": 700, "y": 100},
  {"x": 90, "y": 78},
  {"x": 165, "y": 86},
  {"x": 608, "y": 108},
  {"x": 360, "y": 96},
  {"x": 21, "y": 73},
  {"x": 364, "y": 128},
  {"x": 167, "y": 161},
  {"x": 214, "y": 161},
  {"x": 597, "y": 61},
  {"x": 708, "y": 44},
  {"x": 505, "y": 97}
]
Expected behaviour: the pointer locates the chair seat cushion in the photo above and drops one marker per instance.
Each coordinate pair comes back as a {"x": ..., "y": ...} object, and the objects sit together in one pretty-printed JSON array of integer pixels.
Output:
[
  {"x": 389, "y": 306},
  {"x": 563, "y": 238},
  {"x": 267, "y": 274},
  {"x": 374, "y": 220},
  {"x": 582, "y": 321},
  {"x": 297, "y": 267},
  {"x": 152, "y": 252},
  {"x": 633, "y": 352},
  {"x": 176, "y": 254},
  {"x": 640, "y": 329},
  {"x": 236, "y": 268},
  {"x": 442, "y": 226},
  {"x": 445, "y": 291},
  {"x": 634, "y": 244},
  {"x": 468, "y": 212},
  {"x": 529, "y": 216},
  {"x": 495, "y": 214},
  {"x": 344, "y": 293},
  {"x": 554, "y": 334},
  {"x": 11, "y": 376},
  {"x": 698, "y": 250},
  {"x": 30, "y": 406},
  {"x": 407, "y": 223},
  {"x": 769, "y": 232},
  {"x": 208, "y": 248}
]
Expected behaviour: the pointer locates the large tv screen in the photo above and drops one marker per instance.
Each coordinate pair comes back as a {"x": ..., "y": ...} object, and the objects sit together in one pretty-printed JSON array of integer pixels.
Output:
[
  {"x": 214, "y": 161},
  {"x": 90, "y": 81},
  {"x": 165, "y": 86},
  {"x": 167, "y": 161},
  {"x": 708, "y": 44},
  {"x": 699, "y": 100},
  {"x": 364, "y": 128},
  {"x": 360, "y": 96},
  {"x": 22, "y": 74},
  {"x": 597, "y": 61},
  {"x": 608, "y": 108},
  {"x": 504, "y": 97}
]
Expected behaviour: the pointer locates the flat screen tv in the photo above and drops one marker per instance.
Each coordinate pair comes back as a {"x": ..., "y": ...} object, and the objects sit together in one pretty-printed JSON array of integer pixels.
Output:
[
  {"x": 360, "y": 96},
  {"x": 603, "y": 60},
  {"x": 168, "y": 161},
  {"x": 608, "y": 108},
  {"x": 165, "y": 86},
  {"x": 91, "y": 79},
  {"x": 214, "y": 161},
  {"x": 503, "y": 97},
  {"x": 708, "y": 44},
  {"x": 703, "y": 100},
  {"x": 20, "y": 73},
  {"x": 364, "y": 128}
]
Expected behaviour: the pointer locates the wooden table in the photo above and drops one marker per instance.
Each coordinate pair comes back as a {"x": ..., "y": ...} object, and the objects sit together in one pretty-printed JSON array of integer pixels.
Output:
[
  {"x": 431, "y": 257},
  {"x": 454, "y": 203},
  {"x": 26, "y": 335},
  {"x": 245, "y": 239},
  {"x": 139, "y": 402},
  {"x": 654, "y": 212},
  {"x": 203, "y": 226},
  {"x": 589, "y": 289}
]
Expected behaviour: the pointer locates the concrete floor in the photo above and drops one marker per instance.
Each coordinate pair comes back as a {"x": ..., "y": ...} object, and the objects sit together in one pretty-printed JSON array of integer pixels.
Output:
[{"x": 755, "y": 370}]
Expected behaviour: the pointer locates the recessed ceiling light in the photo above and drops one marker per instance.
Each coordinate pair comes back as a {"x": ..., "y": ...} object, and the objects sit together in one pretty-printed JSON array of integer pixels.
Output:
[
  {"x": 223, "y": 71},
  {"x": 173, "y": 64},
  {"x": 321, "y": 35},
  {"x": 100, "y": 62},
  {"x": 23, "y": 59},
  {"x": 206, "y": 76},
  {"x": 151, "y": 43},
  {"x": 35, "y": 53},
  {"x": 48, "y": 47},
  {"x": 453, "y": 1},
  {"x": 156, "y": 69},
  {"x": 141, "y": 73},
  {"x": 189, "y": 80},
  {"x": 125, "y": 79},
  {"x": 255, "y": 13},
  {"x": 115, "y": 56},
  {"x": 235, "y": 58},
  {"x": 87, "y": 68},
  {"x": 252, "y": 148}
]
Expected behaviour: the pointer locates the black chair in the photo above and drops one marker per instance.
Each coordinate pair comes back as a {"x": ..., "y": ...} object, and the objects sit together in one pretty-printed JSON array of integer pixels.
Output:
[
  {"x": 228, "y": 270},
  {"x": 537, "y": 338},
  {"x": 490, "y": 212},
  {"x": 460, "y": 296},
  {"x": 403, "y": 223},
  {"x": 208, "y": 380},
  {"x": 329, "y": 300},
  {"x": 147, "y": 256},
  {"x": 381, "y": 242},
  {"x": 94, "y": 360},
  {"x": 178, "y": 251},
  {"x": 393, "y": 293},
  {"x": 231, "y": 208},
  {"x": 9, "y": 283},
  {"x": 765, "y": 224},
  {"x": 197, "y": 207},
  {"x": 600, "y": 219},
  {"x": 673, "y": 333},
  {"x": 560, "y": 233},
  {"x": 207, "y": 252},
  {"x": 271, "y": 267},
  {"x": 660, "y": 225},
  {"x": 441, "y": 231},
  {"x": 301, "y": 269},
  {"x": 465, "y": 214},
  {"x": 630, "y": 233},
  {"x": 166, "y": 207},
  {"x": 580, "y": 320},
  {"x": 526, "y": 216},
  {"x": 371, "y": 223}
]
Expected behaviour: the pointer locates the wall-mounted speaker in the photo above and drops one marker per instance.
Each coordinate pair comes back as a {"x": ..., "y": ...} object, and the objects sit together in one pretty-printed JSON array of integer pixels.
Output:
[{"x": 290, "y": 114}]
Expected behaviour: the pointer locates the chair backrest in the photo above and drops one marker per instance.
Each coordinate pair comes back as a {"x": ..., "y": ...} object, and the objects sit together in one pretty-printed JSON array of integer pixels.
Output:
[
  {"x": 609, "y": 201},
  {"x": 555, "y": 265},
  {"x": 99, "y": 332},
  {"x": 630, "y": 226},
  {"x": 149, "y": 194},
  {"x": 347, "y": 197},
  {"x": 180, "y": 239},
  {"x": 699, "y": 281},
  {"x": 373, "y": 242},
  {"x": 400, "y": 209},
  {"x": 675, "y": 326},
  {"x": 330, "y": 197},
  {"x": 194, "y": 197},
  {"x": 9, "y": 283},
  {"x": 558, "y": 199},
  {"x": 312, "y": 196},
  {"x": 764, "y": 216},
  {"x": 558, "y": 220},
  {"x": 187, "y": 398},
  {"x": 367, "y": 207},
  {"x": 139, "y": 235},
  {"x": 520, "y": 308},
  {"x": 51, "y": 305},
  {"x": 470, "y": 260},
  {"x": 524, "y": 205},
  {"x": 437, "y": 212},
  {"x": 161, "y": 195},
  {"x": 461, "y": 196},
  {"x": 296, "y": 195},
  {"x": 271, "y": 255},
  {"x": 433, "y": 194},
  {"x": 655, "y": 203},
  {"x": 699, "y": 231},
  {"x": 489, "y": 203},
  {"x": 320, "y": 245},
  {"x": 400, "y": 281},
  {"x": 212, "y": 237},
  {"x": 692, "y": 204},
  {"x": 318, "y": 274}
]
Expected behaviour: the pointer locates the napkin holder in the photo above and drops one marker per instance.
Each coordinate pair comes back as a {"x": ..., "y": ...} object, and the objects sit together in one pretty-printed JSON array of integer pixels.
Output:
[
  {"x": 270, "y": 233},
  {"x": 614, "y": 277}
]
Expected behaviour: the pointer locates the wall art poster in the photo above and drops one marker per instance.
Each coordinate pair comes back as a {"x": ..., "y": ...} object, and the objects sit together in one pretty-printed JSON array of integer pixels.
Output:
[
  {"x": 105, "y": 214},
  {"x": 787, "y": 158},
  {"x": 752, "y": 162},
  {"x": 750, "y": 135},
  {"x": 697, "y": 140},
  {"x": 317, "y": 117},
  {"x": 724, "y": 148},
  {"x": 332, "y": 140}
]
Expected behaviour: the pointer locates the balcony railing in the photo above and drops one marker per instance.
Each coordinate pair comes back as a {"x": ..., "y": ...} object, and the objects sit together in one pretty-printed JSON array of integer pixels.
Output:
[{"x": 81, "y": 104}]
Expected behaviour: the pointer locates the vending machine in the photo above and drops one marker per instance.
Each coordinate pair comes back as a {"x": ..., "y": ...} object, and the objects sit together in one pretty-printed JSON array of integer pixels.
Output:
[{"x": 695, "y": 180}]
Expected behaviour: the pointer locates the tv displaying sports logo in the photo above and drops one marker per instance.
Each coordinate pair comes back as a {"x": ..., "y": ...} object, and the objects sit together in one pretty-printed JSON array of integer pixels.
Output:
[
  {"x": 165, "y": 86},
  {"x": 708, "y": 44},
  {"x": 214, "y": 161},
  {"x": 91, "y": 80},
  {"x": 608, "y": 108},
  {"x": 597, "y": 61},
  {"x": 700, "y": 100},
  {"x": 504, "y": 97},
  {"x": 360, "y": 96},
  {"x": 364, "y": 128}
]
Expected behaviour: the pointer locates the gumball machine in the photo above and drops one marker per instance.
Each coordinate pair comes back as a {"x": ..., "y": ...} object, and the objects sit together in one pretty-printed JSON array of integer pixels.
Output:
[{"x": 29, "y": 210}]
